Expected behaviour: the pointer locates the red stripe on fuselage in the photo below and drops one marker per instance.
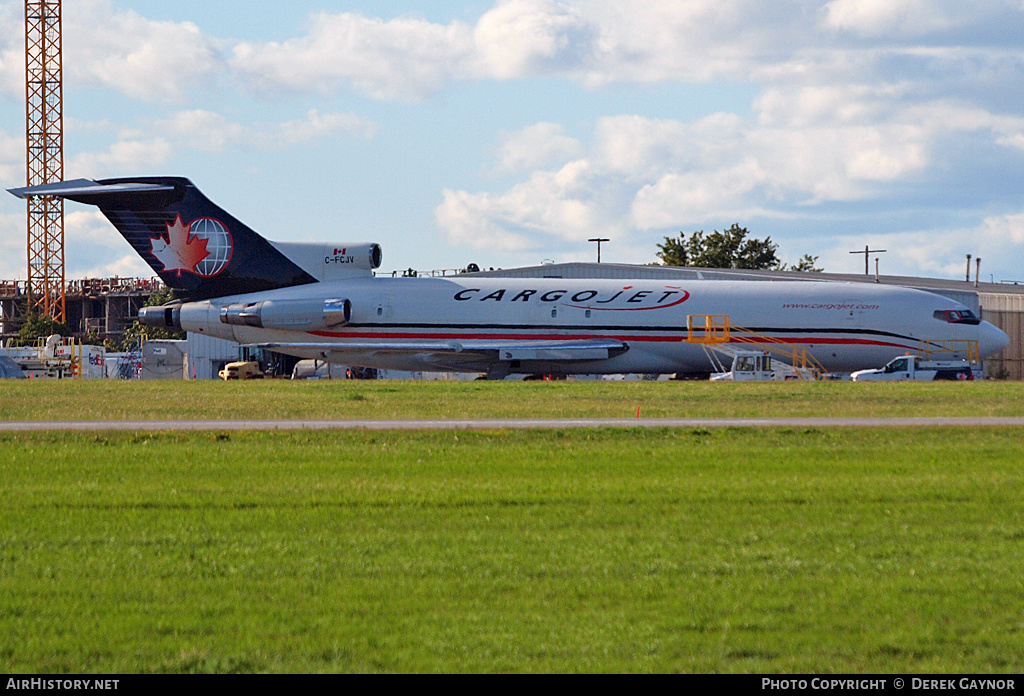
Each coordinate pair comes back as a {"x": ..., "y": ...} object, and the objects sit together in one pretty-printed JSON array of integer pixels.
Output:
[{"x": 584, "y": 337}]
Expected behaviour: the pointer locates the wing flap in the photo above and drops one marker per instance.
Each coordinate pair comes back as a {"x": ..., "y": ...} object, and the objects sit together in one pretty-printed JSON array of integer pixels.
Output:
[{"x": 477, "y": 351}]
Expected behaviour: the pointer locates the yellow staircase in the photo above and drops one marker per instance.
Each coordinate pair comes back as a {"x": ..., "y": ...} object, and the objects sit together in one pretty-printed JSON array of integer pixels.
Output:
[
  {"x": 950, "y": 350},
  {"x": 716, "y": 330}
]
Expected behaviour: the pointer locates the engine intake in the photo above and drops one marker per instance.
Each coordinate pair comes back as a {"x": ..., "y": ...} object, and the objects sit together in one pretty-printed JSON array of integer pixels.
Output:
[{"x": 289, "y": 314}]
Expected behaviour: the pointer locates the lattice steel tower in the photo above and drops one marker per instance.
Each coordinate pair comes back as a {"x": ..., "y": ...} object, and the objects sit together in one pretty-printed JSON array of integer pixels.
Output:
[{"x": 44, "y": 115}]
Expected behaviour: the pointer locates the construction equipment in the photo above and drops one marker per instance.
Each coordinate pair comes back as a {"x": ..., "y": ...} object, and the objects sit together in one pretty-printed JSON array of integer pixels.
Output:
[{"x": 44, "y": 116}]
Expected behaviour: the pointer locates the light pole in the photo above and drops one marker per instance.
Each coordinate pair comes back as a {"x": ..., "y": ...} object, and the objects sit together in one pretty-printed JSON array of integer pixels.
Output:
[
  {"x": 598, "y": 240},
  {"x": 866, "y": 252}
]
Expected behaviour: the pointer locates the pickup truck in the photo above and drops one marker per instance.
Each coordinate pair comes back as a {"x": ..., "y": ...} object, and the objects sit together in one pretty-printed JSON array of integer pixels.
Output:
[{"x": 917, "y": 368}]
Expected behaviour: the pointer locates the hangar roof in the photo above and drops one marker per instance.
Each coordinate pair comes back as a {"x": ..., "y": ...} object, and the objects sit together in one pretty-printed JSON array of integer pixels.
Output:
[{"x": 615, "y": 270}]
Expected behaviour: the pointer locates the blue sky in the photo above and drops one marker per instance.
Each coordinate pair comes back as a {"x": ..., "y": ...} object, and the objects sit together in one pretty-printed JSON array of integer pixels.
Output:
[{"x": 509, "y": 132}]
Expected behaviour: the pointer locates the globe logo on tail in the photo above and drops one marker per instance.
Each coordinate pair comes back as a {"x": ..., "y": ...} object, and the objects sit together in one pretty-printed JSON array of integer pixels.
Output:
[{"x": 203, "y": 247}]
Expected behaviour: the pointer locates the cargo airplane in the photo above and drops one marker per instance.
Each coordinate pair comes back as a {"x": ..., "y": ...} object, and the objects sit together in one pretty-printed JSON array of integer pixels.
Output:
[{"x": 321, "y": 300}]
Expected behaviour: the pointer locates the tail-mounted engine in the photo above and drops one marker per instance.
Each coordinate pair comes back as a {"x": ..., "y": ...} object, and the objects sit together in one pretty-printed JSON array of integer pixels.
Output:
[
  {"x": 163, "y": 317},
  {"x": 327, "y": 262},
  {"x": 302, "y": 315}
]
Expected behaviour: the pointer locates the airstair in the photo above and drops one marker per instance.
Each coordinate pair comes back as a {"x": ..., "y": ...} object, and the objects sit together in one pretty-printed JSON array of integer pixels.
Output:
[
  {"x": 772, "y": 358},
  {"x": 950, "y": 350}
]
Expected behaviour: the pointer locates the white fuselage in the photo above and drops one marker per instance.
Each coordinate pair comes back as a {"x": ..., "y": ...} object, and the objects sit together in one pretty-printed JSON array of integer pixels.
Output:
[{"x": 845, "y": 326}]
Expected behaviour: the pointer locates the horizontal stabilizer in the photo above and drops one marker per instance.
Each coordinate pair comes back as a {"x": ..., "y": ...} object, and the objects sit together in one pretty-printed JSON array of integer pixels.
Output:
[{"x": 81, "y": 189}]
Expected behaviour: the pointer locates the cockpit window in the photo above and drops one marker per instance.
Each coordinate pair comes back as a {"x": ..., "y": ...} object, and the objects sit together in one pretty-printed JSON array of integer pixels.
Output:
[{"x": 956, "y": 316}]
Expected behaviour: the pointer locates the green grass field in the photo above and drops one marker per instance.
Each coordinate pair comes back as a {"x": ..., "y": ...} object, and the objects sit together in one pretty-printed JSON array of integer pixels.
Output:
[
  {"x": 114, "y": 399},
  {"x": 733, "y": 550}
]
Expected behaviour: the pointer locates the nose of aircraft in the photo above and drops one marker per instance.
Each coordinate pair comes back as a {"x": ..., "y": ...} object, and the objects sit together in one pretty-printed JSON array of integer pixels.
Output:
[{"x": 992, "y": 340}]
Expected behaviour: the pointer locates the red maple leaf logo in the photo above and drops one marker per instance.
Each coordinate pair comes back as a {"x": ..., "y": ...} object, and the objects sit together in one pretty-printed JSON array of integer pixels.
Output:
[{"x": 181, "y": 250}]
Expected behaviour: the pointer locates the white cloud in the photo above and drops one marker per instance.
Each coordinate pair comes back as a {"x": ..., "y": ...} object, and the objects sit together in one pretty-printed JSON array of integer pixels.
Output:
[
  {"x": 207, "y": 131},
  {"x": 402, "y": 58},
  {"x": 1013, "y": 140},
  {"x": 536, "y": 146},
  {"x": 12, "y": 50},
  {"x": 998, "y": 231},
  {"x": 91, "y": 228},
  {"x": 592, "y": 41},
  {"x": 121, "y": 158},
  {"x": 885, "y": 17},
  {"x": 148, "y": 146},
  {"x": 520, "y": 38},
  {"x": 597, "y": 42},
  {"x": 566, "y": 205},
  {"x": 805, "y": 148},
  {"x": 114, "y": 49},
  {"x": 127, "y": 53},
  {"x": 12, "y": 159},
  {"x": 465, "y": 216},
  {"x": 13, "y": 245},
  {"x": 202, "y": 130},
  {"x": 939, "y": 253},
  {"x": 316, "y": 126},
  {"x": 696, "y": 197},
  {"x": 90, "y": 244},
  {"x": 127, "y": 266}
]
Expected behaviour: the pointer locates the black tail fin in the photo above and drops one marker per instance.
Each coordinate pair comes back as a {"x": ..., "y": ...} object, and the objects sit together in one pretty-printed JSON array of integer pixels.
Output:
[{"x": 196, "y": 247}]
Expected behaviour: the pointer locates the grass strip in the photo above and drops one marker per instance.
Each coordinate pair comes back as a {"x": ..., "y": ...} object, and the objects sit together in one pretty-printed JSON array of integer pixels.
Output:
[
  {"x": 349, "y": 399},
  {"x": 734, "y": 550}
]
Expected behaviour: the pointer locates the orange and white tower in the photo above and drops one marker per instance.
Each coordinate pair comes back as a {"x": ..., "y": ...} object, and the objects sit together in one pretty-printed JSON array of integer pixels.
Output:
[{"x": 44, "y": 112}]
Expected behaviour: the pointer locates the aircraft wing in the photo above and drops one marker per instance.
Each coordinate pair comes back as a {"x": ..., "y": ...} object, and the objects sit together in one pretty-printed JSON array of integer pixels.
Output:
[{"x": 468, "y": 354}]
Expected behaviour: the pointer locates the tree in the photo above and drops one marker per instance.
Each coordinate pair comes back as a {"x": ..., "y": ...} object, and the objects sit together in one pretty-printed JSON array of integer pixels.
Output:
[
  {"x": 159, "y": 297},
  {"x": 806, "y": 265},
  {"x": 728, "y": 249},
  {"x": 673, "y": 251},
  {"x": 37, "y": 326}
]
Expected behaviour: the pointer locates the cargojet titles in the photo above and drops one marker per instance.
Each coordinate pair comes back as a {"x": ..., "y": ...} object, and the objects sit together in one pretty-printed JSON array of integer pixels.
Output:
[{"x": 624, "y": 300}]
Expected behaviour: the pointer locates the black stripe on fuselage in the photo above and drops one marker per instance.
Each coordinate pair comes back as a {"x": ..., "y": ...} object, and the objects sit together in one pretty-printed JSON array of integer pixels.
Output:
[
  {"x": 603, "y": 328},
  {"x": 596, "y": 328}
]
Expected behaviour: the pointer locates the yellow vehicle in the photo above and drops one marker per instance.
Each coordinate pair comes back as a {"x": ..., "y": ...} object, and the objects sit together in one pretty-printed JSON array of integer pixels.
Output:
[{"x": 241, "y": 370}]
